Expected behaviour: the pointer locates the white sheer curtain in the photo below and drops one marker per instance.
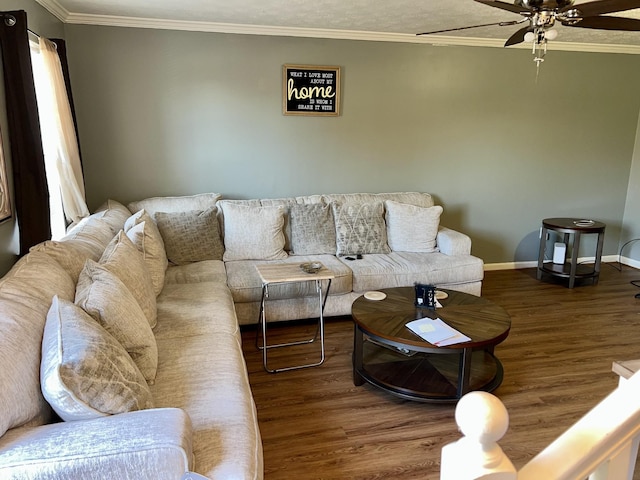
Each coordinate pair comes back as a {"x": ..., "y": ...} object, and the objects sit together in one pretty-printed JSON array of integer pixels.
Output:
[{"x": 62, "y": 157}]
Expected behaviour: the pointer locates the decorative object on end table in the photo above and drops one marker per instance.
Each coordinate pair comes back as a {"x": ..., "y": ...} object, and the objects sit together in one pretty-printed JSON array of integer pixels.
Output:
[{"x": 311, "y": 267}]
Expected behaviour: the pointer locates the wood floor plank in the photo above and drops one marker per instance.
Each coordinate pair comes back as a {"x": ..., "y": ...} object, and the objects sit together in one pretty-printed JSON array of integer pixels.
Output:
[{"x": 316, "y": 424}]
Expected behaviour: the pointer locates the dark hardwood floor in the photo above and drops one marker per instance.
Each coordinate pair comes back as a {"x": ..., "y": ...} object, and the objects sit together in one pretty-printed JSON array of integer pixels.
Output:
[{"x": 316, "y": 424}]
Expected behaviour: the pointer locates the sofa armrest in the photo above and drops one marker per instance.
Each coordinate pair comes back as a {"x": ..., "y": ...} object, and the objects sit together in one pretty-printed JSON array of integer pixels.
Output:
[
  {"x": 152, "y": 443},
  {"x": 451, "y": 242}
]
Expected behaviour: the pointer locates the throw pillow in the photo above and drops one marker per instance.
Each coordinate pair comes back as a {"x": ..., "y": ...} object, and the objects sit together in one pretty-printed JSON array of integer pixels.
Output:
[
  {"x": 313, "y": 230},
  {"x": 411, "y": 228},
  {"x": 103, "y": 296},
  {"x": 122, "y": 258},
  {"x": 360, "y": 228},
  {"x": 253, "y": 233},
  {"x": 85, "y": 372},
  {"x": 191, "y": 236},
  {"x": 143, "y": 232}
]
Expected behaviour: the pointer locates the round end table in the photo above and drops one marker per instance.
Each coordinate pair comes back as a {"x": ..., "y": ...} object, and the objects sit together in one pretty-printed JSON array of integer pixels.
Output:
[{"x": 568, "y": 227}]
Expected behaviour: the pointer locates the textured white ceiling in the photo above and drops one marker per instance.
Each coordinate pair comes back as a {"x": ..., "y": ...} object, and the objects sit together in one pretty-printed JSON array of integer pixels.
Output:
[{"x": 381, "y": 16}]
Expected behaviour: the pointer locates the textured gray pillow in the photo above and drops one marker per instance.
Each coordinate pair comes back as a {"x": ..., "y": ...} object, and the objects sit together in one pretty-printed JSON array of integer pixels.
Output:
[
  {"x": 103, "y": 296},
  {"x": 411, "y": 228},
  {"x": 85, "y": 372},
  {"x": 313, "y": 231},
  {"x": 190, "y": 236},
  {"x": 360, "y": 228}
]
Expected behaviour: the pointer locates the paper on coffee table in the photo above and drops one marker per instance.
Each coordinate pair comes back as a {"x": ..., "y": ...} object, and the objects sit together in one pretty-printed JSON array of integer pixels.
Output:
[{"x": 436, "y": 332}]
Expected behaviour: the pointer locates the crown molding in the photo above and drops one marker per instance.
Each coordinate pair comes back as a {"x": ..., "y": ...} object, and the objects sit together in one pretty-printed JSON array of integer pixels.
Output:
[
  {"x": 439, "y": 40},
  {"x": 53, "y": 7}
]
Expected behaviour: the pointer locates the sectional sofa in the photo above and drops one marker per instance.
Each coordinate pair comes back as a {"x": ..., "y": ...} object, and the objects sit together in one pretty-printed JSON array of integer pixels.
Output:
[{"x": 120, "y": 349}]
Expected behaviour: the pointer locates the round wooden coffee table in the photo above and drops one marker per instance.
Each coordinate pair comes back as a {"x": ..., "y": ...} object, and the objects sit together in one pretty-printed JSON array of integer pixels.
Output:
[{"x": 390, "y": 356}]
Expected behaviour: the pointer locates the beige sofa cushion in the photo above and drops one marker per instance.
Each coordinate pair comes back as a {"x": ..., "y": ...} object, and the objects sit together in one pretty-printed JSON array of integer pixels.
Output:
[
  {"x": 200, "y": 201},
  {"x": 399, "y": 269},
  {"x": 411, "y": 228},
  {"x": 206, "y": 359},
  {"x": 253, "y": 233},
  {"x": 85, "y": 372},
  {"x": 360, "y": 228},
  {"x": 102, "y": 295},
  {"x": 143, "y": 232},
  {"x": 412, "y": 198},
  {"x": 70, "y": 254},
  {"x": 191, "y": 236},
  {"x": 113, "y": 214},
  {"x": 205, "y": 271},
  {"x": 122, "y": 258},
  {"x": 25, "y": 297}
]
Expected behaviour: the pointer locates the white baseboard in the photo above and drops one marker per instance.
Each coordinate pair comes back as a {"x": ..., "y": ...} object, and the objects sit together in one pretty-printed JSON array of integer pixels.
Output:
[{"x": 533, "y": 264}]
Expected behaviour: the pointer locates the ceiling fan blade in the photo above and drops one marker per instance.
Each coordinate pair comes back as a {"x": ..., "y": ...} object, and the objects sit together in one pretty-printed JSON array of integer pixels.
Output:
[
  {"x": 608, "y": 23},
  {"x": 517, "y": 37},
  {"x": 510, "y": 7},
  {"x": 600, "y": 7},
  {"x": 501, "y": 24}
]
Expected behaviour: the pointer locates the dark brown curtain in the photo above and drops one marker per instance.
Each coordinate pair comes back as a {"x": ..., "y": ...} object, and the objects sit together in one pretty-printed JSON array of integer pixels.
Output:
[{"x": 27, "y": 157}]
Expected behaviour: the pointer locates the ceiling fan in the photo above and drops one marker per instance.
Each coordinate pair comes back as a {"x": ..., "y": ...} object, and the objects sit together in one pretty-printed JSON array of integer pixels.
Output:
[{"x": 541, "y": 15}]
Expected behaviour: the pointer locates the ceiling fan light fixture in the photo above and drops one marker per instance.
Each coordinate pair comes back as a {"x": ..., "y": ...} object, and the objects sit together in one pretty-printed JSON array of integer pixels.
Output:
[{"x": 551, "y": 34}]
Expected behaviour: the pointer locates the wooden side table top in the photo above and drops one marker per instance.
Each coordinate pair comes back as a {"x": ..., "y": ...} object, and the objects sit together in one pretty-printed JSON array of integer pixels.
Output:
[
  {"x": 573, "y": 224},
  {"x": 290, "y": 272}
]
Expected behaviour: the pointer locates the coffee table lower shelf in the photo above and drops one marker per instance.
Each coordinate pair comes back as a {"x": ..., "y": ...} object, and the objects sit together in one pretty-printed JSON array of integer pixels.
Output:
[{"x": 426, "y": 376}]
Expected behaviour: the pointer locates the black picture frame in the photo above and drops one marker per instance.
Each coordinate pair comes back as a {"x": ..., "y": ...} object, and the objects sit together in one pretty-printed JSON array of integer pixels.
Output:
[{"x": 311, "y": 90}]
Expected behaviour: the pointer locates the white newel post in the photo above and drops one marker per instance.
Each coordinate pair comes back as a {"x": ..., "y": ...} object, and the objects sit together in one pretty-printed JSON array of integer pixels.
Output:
[{"x": 483, "y": 420}]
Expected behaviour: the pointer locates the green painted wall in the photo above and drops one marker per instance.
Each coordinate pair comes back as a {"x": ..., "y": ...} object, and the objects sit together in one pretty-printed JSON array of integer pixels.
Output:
[
  {"x": 171, "y": 112},
  {"x": 631, "y": 220},
  {"x": 41, "y": 22}
]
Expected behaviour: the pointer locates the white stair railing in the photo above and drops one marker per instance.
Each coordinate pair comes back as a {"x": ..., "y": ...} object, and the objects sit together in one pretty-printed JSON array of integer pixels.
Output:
[{"x": 602, "y": 445}]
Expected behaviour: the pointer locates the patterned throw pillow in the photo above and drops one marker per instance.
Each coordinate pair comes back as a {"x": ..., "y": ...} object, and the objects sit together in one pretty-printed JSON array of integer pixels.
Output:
[
  {"x": 85, "y": 372},
  {"x": 103, "y": 296},
  {"x": 360, "y": 228},
  {"x": 253, "y": 233},
  {"x": 143, "y": 232},
  {"x": 122, "y": 258},
  {"x": 313, "y": 231},
  {"x": 190, "y": 236},
  {"x": 411, "y": 228}
]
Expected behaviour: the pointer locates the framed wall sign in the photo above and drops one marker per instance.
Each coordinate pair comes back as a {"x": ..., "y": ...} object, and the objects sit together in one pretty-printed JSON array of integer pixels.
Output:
[{"x": 311, "y": 90}]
